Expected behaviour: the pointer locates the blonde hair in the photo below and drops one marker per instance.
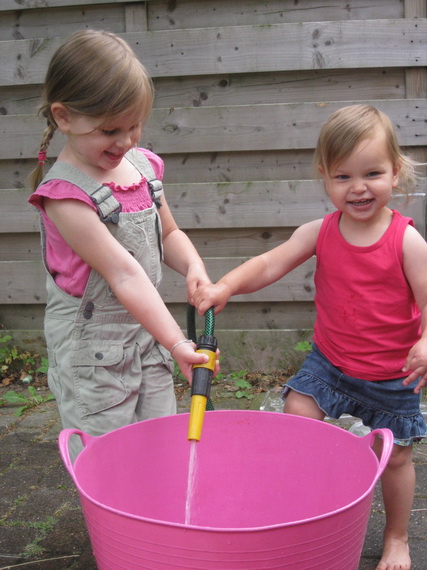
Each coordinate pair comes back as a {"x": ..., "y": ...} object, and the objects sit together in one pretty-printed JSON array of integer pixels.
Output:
[
  {"x": 96, "y": 74},
  {"x": 347, "y": 127}
]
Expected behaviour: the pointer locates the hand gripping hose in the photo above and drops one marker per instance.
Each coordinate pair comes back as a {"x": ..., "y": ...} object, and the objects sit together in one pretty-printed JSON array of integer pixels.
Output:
[{"x": 202, "y": 373}]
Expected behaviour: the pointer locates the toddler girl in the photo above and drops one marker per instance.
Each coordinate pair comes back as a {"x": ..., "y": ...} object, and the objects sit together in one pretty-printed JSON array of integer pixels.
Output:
[{"x": 369, "y": 356}]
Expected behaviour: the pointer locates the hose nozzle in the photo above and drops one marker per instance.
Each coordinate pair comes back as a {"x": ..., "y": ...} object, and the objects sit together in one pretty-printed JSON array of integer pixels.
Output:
[{"x": 201, "y": 385}]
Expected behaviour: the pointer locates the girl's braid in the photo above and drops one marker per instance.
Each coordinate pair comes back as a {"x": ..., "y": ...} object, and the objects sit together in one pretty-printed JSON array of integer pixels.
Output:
[{"x": 37, "y": 174}]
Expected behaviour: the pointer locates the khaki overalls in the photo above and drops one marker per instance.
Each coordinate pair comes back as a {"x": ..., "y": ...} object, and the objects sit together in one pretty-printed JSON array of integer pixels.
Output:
[{"x": 105, "y": 370}]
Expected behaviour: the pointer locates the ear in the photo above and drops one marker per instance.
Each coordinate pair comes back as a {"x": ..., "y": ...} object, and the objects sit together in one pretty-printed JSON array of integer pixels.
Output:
[
  {"x": 396, "y": 172},
  {"x": 324, "y": 177},
  {"x": 62, "y": 116}
]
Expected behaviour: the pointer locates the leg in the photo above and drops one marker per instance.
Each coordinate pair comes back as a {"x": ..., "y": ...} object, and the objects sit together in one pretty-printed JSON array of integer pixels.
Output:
[
  {"x": 398, "y": 487},
  {"x": 302, "y": 405}
]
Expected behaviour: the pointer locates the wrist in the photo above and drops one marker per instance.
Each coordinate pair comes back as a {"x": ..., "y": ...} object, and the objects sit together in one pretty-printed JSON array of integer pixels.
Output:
[
  {"x": 226, "y": 288},
  {"x": 182, "y": 341},
  {"x": 196, "y": 267}
]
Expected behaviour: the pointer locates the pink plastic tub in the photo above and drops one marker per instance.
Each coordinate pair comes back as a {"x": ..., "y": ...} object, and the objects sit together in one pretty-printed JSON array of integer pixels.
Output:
[{"x": 270, "y": 491}]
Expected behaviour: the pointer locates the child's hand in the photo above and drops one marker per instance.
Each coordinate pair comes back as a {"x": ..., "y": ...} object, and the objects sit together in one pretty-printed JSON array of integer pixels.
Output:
[
  {"x": 416, "y": 364},
  {"x": 208, "y": 296},
  {"x": 196, "y": 277},
  {"x": 185, "y": 355}
]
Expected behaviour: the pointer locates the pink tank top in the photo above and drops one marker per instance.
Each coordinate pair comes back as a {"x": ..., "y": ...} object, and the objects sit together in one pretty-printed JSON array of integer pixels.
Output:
[
  {"x": 367, "y": 318},
  {"x": 70, "y": 272}
]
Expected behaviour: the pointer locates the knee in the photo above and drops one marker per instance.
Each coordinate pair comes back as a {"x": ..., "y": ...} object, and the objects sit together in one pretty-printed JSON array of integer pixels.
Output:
[
  {"x": 302, "y": 405},
  {"x": 400, "y": 457}
]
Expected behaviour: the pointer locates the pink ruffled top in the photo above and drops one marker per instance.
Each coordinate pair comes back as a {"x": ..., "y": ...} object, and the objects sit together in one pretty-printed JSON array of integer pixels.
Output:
[{"x": 70, "y": 272}]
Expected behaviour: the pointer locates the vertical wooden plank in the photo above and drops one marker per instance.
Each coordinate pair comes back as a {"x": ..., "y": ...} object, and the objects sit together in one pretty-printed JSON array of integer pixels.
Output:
[
  {"x": 416, "y": 78},
  {"x": 415, "y": 8},
  {"x": 136, "y": 17}
]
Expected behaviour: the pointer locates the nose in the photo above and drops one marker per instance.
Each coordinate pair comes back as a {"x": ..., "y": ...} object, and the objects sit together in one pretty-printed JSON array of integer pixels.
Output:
[
  {"x": 125, "y": 139},
  {"x": 359, "y": 185}
]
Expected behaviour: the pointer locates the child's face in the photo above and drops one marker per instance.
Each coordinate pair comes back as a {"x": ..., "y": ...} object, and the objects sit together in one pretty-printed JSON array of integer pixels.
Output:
[
  {"x": 361, "y": 185},
  {"x": 98, "y": 144}
]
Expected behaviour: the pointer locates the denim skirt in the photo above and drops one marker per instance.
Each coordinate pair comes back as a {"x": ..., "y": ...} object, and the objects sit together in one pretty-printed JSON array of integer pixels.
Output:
[{"x": 379, "y": 404}]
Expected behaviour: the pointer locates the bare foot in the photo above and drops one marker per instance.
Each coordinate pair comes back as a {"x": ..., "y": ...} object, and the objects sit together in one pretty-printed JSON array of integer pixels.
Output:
[{"x": 395, "y": 555}]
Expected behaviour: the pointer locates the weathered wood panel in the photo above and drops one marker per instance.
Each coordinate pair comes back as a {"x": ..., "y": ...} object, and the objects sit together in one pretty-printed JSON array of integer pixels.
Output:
[
  {"x": 246, "y": 49},
  {"x": 191, "y": 14},
  {"x": 247, "y": 127},
  {"x": 215, "y": 242},
  {"x": 238, "y": 316},
  {"x": 285, "y": 203},
  {"x": 16, "y": 275},
  {"x": 22, "y": 246},
  {"x": 252, "y": 89},
  {"x": 233, "y": 128},
  {"x": 48, "y": 4},
  {"x": 60, "y": 22},
  {"x": 241, "y": 91}
]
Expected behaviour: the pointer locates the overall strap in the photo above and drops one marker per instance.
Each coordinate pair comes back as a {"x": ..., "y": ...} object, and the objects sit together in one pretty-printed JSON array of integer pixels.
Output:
[
  {"x": 108, "y": 207},
  {"x": 141, "y": 163}
]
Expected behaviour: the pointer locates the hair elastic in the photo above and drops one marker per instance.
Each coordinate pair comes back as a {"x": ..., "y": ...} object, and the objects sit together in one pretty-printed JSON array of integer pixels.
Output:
[{"x": 41, "y": 157}]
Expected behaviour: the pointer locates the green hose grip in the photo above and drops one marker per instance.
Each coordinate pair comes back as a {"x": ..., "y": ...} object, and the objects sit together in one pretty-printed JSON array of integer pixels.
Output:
[
  {"x": 209, "y": 331},
  {"x": 191, "y": 322}
]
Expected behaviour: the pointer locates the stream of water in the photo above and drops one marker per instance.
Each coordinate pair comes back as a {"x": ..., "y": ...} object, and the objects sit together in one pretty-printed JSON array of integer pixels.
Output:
[{"x": 192, "y": 471}]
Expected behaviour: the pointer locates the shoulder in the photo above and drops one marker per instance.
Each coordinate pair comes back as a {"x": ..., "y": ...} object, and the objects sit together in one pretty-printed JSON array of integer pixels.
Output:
[
  {"x": 412, "y": 237},
  {"x": 404, "y": 228},
  {"x": 58, "y": 190},
  {"x": 313, "y": 226},
  {"x": 400, "y": 219},
  {"x": 155, "y": 160},
  {"x": 309, "y": 232}
]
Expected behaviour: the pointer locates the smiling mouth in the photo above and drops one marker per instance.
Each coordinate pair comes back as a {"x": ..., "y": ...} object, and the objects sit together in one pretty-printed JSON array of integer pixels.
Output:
[
  {"x": 112, "y": 155},
  {"x": 361, "y": 202}
]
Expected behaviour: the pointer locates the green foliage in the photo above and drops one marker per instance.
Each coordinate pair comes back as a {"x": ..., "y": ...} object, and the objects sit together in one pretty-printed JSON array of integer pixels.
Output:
[
  {"x": 303, "y": 346},
  {"x": 25, "y": 401},
  {"x": 15, "y": 362},
  {"x": 178, "y": 376},
  {"x": 240, "y": 382},
  {"x": 44, "y": 366}
]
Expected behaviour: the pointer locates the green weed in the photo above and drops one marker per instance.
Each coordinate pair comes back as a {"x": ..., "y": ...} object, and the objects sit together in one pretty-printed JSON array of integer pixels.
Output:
[
  {"x": 240, "y": 382},
  {"x": 303, "y": 346},
  {"x": 16, "y": 363},
  {"x": 25, "y": 401}
]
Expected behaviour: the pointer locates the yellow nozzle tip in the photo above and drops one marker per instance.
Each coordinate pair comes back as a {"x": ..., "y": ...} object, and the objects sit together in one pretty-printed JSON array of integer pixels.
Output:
[{"x": 197, "y": 414}]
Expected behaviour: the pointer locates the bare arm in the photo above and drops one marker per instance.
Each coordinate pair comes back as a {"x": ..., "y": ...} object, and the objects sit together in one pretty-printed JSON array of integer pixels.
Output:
[
  {"x": 260, "y": 271},
  {"x": 415, "y": 267},
  {"x": 180, "y": 253},
  {"x": 82, "y": 229}
]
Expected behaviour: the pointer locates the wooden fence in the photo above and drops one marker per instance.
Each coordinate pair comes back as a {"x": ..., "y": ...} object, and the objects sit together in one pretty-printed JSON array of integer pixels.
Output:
[{"x": 241, "y": 91}]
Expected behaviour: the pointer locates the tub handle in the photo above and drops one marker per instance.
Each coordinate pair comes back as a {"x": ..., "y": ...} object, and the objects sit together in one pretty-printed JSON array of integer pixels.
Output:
[
  {"x": 388, "y": 441},
  {"x": 64, "y": 450}
]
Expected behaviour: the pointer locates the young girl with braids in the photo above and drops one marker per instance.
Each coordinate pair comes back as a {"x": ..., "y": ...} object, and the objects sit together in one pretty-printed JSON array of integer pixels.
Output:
[
  {"x": 106, "y": 226},
  {"x": 369, "y": 356}
]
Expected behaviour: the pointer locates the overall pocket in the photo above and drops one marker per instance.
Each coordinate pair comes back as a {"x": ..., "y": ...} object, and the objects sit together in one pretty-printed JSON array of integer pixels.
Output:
[{"x": 98, "y": 375}]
